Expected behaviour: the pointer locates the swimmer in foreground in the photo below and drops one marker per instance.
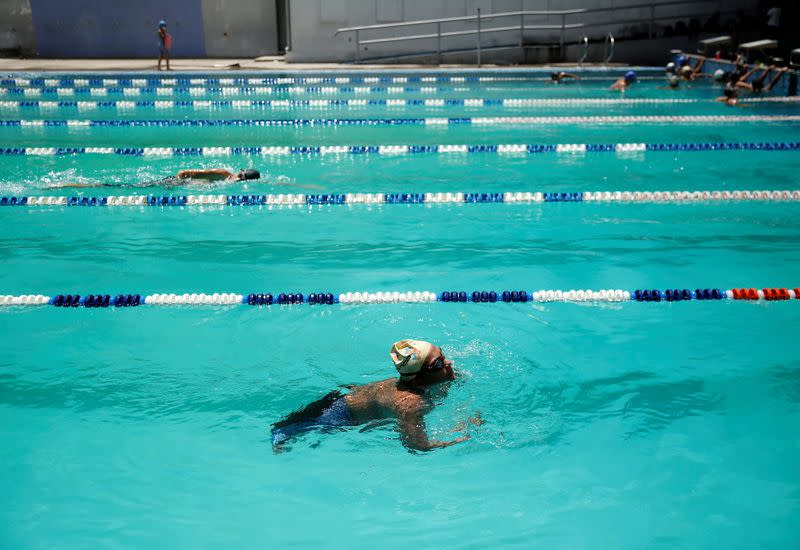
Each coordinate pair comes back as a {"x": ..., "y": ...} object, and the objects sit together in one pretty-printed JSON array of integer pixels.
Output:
[
  {"x": 186, "y": 178},
  {"x": 425, "y": 374},
  {"x": 624, "y": 82},
  {"x": 559, "y": 76}
]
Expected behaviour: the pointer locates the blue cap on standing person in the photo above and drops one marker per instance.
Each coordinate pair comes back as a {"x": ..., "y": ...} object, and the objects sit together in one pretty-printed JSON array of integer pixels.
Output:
[
  {"x": 162, "y": 23},
  {"x": 630, "y": 76}
]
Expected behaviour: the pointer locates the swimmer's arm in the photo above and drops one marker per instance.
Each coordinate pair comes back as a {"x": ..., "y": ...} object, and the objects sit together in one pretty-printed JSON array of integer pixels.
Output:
[
  {"x": 475, "y": 420},
  {"x": 213, "y": 173},
  {"x": 76, "y": 185},
  {"x": 414, "y": 436},
  {"x": 776, "y": 79}
]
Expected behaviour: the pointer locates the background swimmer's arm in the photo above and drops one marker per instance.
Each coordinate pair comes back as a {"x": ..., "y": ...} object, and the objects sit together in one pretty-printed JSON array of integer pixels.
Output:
[
  {"x": 210, "y": 174},
  {"x": 414, "y": 436},
  {"x": 776, "y": 79}
]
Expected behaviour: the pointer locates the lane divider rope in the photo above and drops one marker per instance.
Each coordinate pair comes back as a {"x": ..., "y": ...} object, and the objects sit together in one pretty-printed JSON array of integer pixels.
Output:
[
  {"x": 326, "y": 103},
  {"x": 511, "y": 148},
  {"x": 439, "y": 121},
  {"x": 228, "y": 91},
  {"x": 225, "y": 90},
  {"x": 358, "y": 298},
  {"x": 403, "y": 198},
  {"x": 261, "y": 81}
]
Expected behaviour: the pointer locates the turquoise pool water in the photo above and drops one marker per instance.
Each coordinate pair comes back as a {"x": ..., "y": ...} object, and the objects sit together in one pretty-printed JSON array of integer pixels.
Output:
[{"x": 623, "y": 425}]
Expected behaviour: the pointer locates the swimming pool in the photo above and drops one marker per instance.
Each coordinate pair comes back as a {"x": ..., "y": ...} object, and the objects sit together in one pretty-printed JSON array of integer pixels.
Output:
[{"x": 619, "y": 424}]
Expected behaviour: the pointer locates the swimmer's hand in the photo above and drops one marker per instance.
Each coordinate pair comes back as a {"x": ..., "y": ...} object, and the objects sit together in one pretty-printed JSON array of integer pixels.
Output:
[{"x": 475, "y": 420}]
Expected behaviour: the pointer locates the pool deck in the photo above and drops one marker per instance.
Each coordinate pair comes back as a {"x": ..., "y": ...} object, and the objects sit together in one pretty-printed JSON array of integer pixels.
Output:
[{"x": 267, "y": 63}]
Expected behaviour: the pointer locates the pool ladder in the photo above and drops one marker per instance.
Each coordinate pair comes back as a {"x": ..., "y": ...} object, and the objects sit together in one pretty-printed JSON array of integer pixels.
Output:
[
  {"x": 608, "y": 49},
  {"x": 584, "y": 41}
]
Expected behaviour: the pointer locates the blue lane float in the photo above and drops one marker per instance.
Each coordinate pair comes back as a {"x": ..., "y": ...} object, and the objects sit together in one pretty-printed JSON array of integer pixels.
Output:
[
  {"x": 418, "y": 121},
  {"x": 412, "y": 149},
  {"x": 482, "y": 296},
  {"x": 193, "y": 81},
  {"x": 280, "y": 104},
  {"x": 403, "y": 198}
]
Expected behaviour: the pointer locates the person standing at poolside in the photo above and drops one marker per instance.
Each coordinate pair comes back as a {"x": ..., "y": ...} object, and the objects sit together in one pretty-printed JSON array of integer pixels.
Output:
[
  {"x": 424, "y": 372},
  {"x": 164, "y": 44}
]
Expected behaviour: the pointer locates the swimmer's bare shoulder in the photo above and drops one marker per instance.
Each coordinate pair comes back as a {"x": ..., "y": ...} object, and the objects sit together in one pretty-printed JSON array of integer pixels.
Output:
[{"x": 382, "y": 399}]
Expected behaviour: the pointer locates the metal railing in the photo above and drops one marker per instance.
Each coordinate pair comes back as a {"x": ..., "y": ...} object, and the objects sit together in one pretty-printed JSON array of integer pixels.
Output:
[
  {"x": 521, "y": 27},
  {"x": 608, "y": 49},
  {"x": 584, "y": 41},
  {"x": 438, "y": 35}
]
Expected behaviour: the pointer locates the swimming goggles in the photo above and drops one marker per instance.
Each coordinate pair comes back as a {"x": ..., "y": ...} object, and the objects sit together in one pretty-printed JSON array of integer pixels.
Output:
[{"x": 436, "y": 365}]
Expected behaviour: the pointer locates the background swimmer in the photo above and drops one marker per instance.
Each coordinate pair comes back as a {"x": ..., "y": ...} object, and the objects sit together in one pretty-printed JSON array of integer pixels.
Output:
[
  {"x": 559, "y": 76},
  {"x": 757, "y": 85},
  {"x": 625, "y": 82}
]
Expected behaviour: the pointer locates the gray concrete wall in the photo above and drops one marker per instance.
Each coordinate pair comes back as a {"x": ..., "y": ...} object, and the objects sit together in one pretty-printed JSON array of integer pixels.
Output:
[
  {"x": 240, "y": 28},
  {"x": 314, "y": 23},
  {"x": 229, "y": 28},
  {"x": 16, "y": 28}
]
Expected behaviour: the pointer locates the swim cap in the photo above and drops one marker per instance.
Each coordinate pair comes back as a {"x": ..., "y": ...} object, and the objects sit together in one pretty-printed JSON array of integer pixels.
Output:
[
  {"x": 162, "y": 23},
  {"x": 680, "y": 60},
  {"x": 673, "y": 81},
  {"x": 719, "y": 75},
  {"x": 408, "y": 357},
  {"x": 630, "y": 76},
  {"x": 686, "y": 70},
  {"x": 670, "y": 67},
  {"x": 250, "y": 174}
]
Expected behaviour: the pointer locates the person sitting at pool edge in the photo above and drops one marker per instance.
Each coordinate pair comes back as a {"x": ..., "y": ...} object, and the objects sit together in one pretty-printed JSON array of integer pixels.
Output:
[
  {"x": 424, "y": 370},
  {"x": 624, "y": 82}
]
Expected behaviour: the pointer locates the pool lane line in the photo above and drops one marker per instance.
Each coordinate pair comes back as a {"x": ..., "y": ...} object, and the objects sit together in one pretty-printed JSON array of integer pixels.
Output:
[
  {"x": 244, "y": 90},
  {"x": 278, "y": 81},
  {"x": 228, "y": 90},
  {"x": 328, "y": 103},
  {"x": 298, "y": 199},
  {"x": 427, "y": 121},
  {"x": 510, "y": 148},
  {"x": 396, "y": 297}
]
